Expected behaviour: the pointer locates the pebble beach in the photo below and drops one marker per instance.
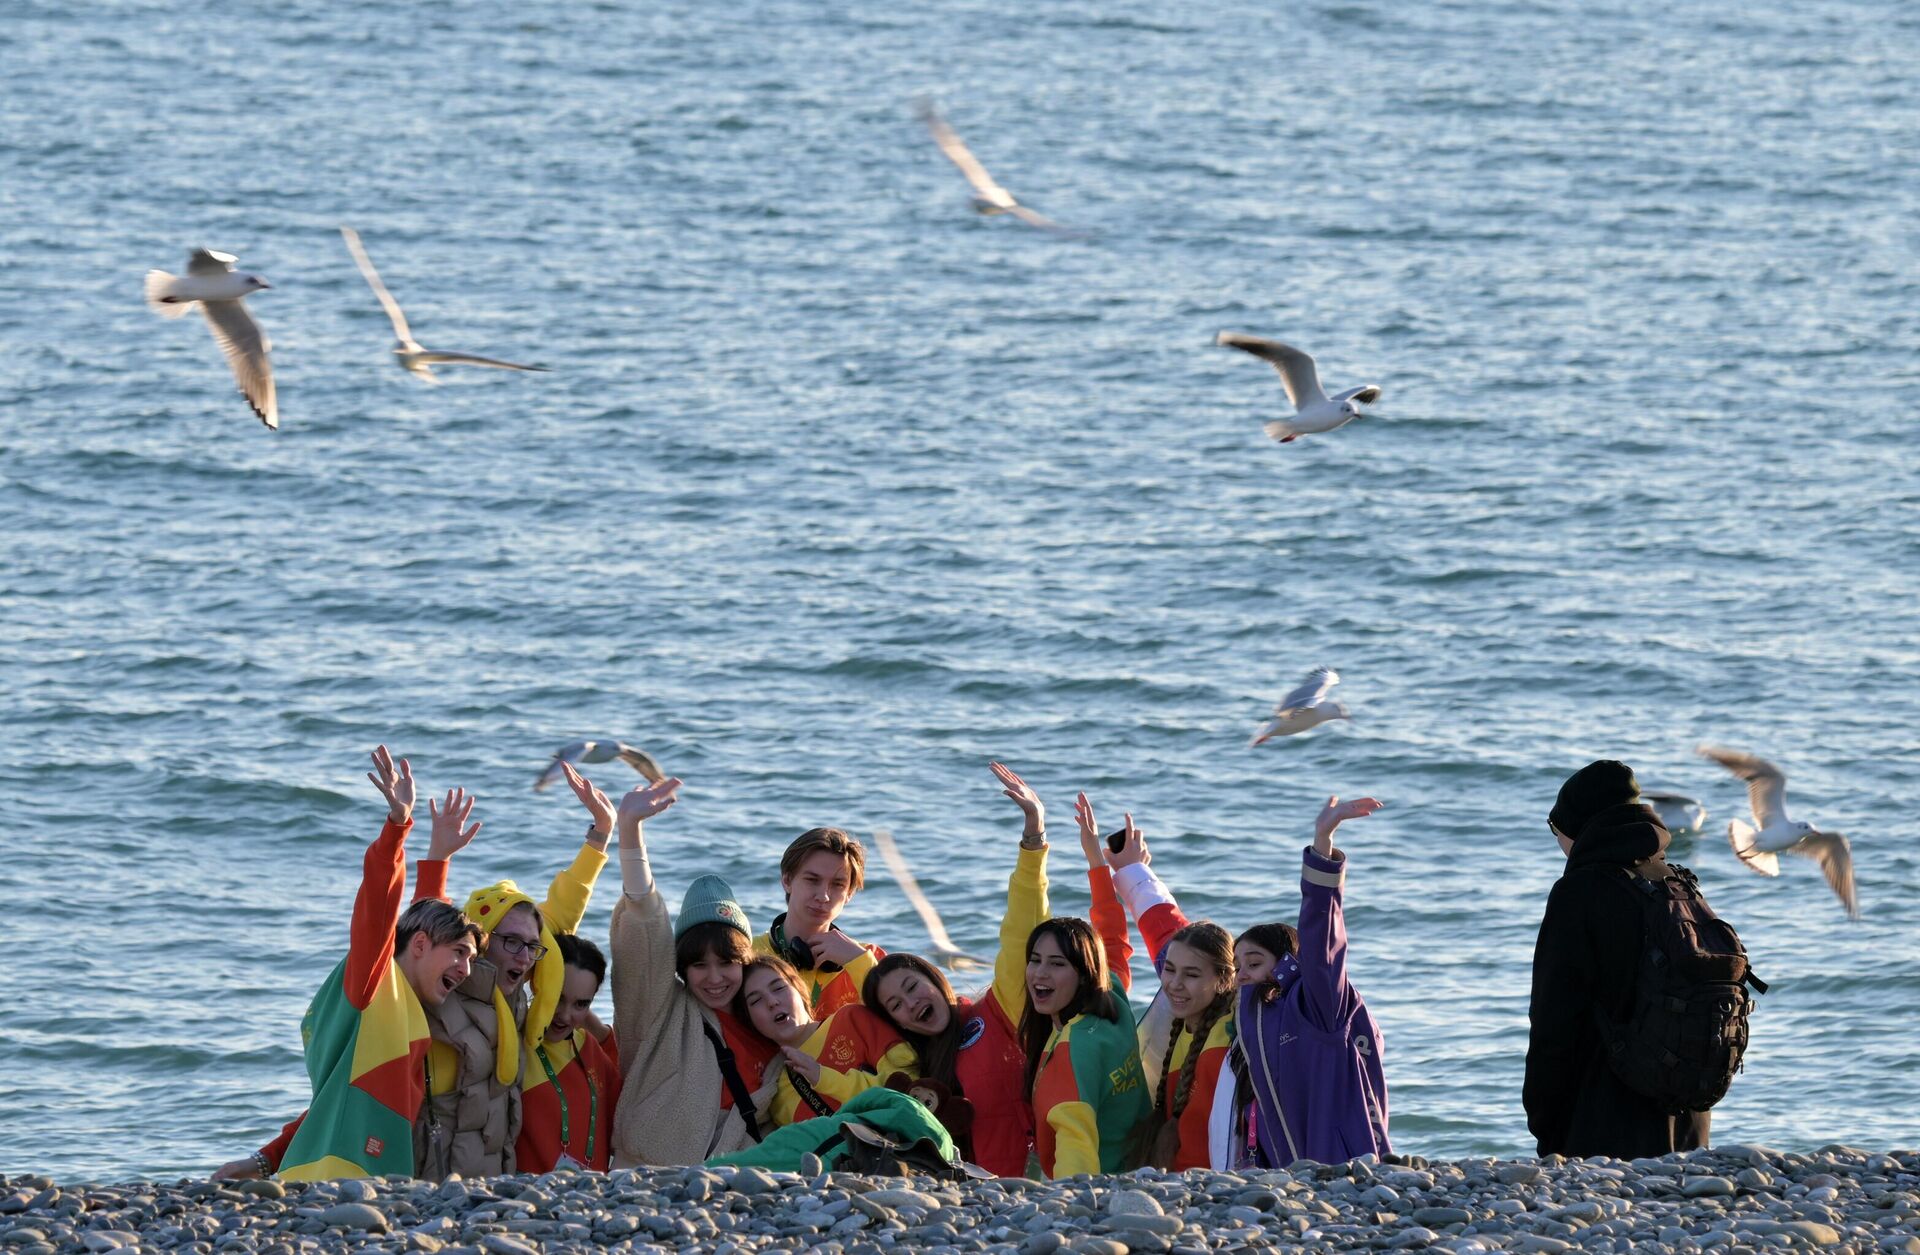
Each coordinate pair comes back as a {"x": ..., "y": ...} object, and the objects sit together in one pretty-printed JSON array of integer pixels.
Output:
[{"x": 1728, "y": 1199}]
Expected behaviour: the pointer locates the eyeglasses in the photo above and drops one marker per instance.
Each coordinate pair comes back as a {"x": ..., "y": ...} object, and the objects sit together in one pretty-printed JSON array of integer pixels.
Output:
[{"x": 519, "y": 945}]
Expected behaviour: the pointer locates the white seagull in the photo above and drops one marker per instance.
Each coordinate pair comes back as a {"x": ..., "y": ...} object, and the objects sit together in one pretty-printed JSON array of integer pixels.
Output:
[
  {"x": 1680, "y": 815},
  {"x": 1314, "y": 410},
  {"x": 988, "y": 196},
  {"x": 416, "y": 359},
  {"x": 212, "y": 283},
  {"x": 604, "y": 750},
  {"x": 1771, "y": 834},
  {"x": 944, "y": 950},
  {"x": 1305, "y": 707}
]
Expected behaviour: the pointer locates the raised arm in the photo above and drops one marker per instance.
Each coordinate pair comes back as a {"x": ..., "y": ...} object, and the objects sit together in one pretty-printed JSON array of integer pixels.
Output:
[
  {"x": 1108, "y": 917},
  {"x": 1026, "y": 896},
  {"x": 1323, "y": 929},
  {"x": 446, "y": 839},
  {"x": 641, "y": 940},
  {"x": 383, "y": 883},
  {"x": 572, "y": 888},
  {"x": 1159, "y": 917}
]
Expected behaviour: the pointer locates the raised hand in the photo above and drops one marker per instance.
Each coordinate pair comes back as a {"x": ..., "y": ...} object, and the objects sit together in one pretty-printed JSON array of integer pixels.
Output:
[
  {"x": 1334, "y": 814},
  {"x": 1133, "y": 848},
  {"x": 1088, "y": 830},
  {"x": 1026, "y": 799},
  {"x": 447, "y": 839},
  {"x": 646, "y": 801},
  {"x": 395, "y": 786},
  {"x": 801, "y": 1062},
  {"x": 593, "y": 799}
]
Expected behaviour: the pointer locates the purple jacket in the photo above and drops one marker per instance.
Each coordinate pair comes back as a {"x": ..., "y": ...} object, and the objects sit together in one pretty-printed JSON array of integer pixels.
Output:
[{"x": 1310, "y": 1049}]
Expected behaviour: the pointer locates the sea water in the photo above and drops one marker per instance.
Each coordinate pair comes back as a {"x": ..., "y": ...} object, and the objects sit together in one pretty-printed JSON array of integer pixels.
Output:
[{"x": 838, "y": 491}]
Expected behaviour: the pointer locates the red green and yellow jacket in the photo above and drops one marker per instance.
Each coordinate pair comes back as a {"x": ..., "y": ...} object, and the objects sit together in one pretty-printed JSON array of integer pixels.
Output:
[
  {"x": 857, "y": 1051},
  {"x": 365, "y": 1036},
  {"x": 572, "y": 1113},
  {"x": 1160, "y": 917},
  {"x": 831, "y": 986},
  {"x": 1089, "y": 1094}
]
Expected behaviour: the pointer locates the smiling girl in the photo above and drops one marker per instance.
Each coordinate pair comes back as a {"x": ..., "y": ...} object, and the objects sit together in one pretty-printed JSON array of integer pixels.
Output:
[
  {"x": 972, "y": 1045},
  {"x": 1304, "y": 1077},
  {"x": 1083, "y": 1059},
  {"x": 693, "y": 1087},
  {"x": 827, "y": 1061}
]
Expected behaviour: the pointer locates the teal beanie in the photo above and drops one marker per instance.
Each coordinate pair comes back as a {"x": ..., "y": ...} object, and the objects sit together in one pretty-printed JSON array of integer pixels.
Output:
[{"x": 710, "y": 900}]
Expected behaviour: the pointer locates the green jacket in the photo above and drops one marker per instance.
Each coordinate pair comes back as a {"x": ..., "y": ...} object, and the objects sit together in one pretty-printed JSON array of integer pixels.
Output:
[{"x": 888, "y": 1110}]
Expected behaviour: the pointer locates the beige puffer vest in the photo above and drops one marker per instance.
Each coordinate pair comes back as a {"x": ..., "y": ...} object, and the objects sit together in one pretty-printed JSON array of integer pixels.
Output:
[{"x": 471, "y": 1129}]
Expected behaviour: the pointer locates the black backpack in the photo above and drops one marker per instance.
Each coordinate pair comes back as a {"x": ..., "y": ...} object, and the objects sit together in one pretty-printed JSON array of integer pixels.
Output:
[
  {"x": 858, "y": 1147},
  {"x": 1683, "y": 1040}
]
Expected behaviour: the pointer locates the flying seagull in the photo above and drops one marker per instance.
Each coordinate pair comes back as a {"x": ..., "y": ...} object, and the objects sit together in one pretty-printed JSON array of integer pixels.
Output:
[
  {"x": 1680, "y": 815},
  {"x": 988, "y": 196},
  {"x": 212, "y": 283},
  {"x": 943, "y": 948},
  {"x": 1304, "y": 707},
  {"x": 1314, "y": 410},
  {"x": 414, "y": 358},
  {"x": 1771, "y": 834},
  {"x": 604, "y": 750}
]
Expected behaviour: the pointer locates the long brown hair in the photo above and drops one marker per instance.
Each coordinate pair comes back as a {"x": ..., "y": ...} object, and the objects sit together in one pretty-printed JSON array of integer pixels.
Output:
[
  {"x": 1088, "y": 957},
  {"x": 1212, "y": 941},
  {"x": 939, "y": 1053}
]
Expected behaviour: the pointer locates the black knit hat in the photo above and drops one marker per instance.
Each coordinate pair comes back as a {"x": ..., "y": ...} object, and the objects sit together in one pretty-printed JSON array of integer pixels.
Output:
[{"x": 1589, "y": 791}]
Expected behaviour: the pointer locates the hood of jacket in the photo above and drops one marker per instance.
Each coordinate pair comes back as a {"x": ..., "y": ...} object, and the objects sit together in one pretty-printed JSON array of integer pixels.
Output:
[{"x": 1619, "y": 836}]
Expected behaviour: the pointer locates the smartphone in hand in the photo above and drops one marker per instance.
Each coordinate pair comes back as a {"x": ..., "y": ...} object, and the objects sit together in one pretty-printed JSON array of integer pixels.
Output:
[{"x": 1117, "y": 840}]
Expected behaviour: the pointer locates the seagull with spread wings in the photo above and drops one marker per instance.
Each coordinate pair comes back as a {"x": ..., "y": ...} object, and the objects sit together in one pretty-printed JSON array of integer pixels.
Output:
[
  {"x": 944, "y": 950},
  {"x": 218, "y": 289},
  {"x": 1759, "y": 844},
  {"x": 1313, "y": 410},
  {"x": 988, "y": 196},
  {"x": 1306, "y": 707},
  {"x": 416, "y": 359},
  {"x": 603, "y": 750}
]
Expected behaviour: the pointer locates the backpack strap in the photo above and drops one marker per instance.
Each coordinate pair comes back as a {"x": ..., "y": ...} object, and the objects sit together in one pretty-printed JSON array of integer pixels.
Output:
[{"x": 736, "y": 1084}]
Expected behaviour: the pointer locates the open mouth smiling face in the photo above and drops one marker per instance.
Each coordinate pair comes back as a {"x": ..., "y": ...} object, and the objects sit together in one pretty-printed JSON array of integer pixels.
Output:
[
  {"x": 913, "y": 1003},
  {"x": 1052, "y": 981}
]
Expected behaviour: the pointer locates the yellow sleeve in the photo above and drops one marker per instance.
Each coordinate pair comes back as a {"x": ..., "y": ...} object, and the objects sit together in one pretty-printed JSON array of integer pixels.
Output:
[
  {"x": 1076, "y": 1146},
  {"x": 900, "y": 1058},
  {"x": 1026, "y": 907},
  {"x": 786, "y": 1100},
  {"x": 858, "y": 971},
  {"x": 567, "y": 896}
]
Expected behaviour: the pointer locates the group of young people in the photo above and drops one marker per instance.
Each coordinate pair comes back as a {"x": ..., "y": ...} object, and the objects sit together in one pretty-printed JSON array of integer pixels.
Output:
[{"x": 464, "y": 1040}]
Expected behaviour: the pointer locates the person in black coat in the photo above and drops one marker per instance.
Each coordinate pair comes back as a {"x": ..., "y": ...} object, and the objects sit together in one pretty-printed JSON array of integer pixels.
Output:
[{"x": 1585, "y": 965}]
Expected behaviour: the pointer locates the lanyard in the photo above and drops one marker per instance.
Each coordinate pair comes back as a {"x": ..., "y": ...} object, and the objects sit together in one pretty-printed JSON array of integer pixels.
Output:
[
  {"x": 426, "y": 1064},
  {"x": 593, "y": 1102}
]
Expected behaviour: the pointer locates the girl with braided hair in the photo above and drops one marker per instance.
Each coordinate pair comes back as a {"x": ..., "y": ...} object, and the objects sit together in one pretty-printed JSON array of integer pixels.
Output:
[
  {"x": 1299, "y": 1073},
  {"x": 1196, "y": 968}
]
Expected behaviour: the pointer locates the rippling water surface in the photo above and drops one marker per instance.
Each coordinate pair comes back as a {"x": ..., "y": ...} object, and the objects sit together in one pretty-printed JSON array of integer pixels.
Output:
[{"x": 841, "y": 491}]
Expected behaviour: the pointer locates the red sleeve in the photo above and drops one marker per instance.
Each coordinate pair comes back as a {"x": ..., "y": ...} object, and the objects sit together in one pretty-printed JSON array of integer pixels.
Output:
[
  {"x": 1110, "y": 925},
  {"x": 376, "y": 912},
  {"x": 276, "y": 1150},
  {"x": 430, "y": 880},
  {"x": 1157, "y": 927}
]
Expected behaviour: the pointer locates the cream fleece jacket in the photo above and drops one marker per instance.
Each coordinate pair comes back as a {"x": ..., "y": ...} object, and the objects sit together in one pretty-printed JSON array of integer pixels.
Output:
[{"x": 669, "y": 1112}]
